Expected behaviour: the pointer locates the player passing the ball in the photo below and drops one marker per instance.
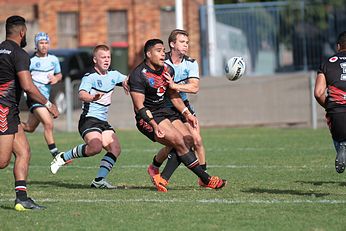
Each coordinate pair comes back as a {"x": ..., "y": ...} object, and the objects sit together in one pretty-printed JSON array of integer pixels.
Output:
[
  {"x": 186, "y": 81},
  {"x": 149, "y": 91}
]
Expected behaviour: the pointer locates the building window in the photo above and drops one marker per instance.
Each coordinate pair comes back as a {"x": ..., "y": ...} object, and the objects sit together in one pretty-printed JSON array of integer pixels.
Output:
[
  {"x": 67, "y": 30},
  {"x": 167, "y": 24},
  {"x": 117, "y": 26}
]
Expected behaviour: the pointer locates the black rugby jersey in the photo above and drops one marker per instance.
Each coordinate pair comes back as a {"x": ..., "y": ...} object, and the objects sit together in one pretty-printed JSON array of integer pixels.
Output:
[
  {"x": 13, "y": 59},
  {"x": 151, "y": 83},
  {"x": 334, "y": 69}
]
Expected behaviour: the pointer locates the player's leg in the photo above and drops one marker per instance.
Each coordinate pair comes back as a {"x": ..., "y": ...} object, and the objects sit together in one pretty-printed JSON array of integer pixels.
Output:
[
  {"x": 111, "y": 144},
  {"x": 179, "y": 138},
  {"x": 92, "y": 146},
  {"x": 198, "y": 144},
  {"x": 337, "y": 126},
  {"x": 6, "y": 144},
  {"x": 31, "y": 124},
  {"x": 158, "y": 159},
  {"x": 43, "y": 115},
  {"x": 21, "y": 150}
]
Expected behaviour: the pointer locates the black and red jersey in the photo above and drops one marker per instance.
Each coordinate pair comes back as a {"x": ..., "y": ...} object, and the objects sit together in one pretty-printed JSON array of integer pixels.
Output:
[
  {"x": 334, "y": 69},
  {"x": 13, "y": 59},
  {"x": 151, "y": 83}
]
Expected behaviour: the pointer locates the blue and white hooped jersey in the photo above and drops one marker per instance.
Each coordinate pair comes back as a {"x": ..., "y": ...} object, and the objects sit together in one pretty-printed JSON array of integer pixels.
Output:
[
  {"x": 187, "y": 69},
  {"x": 41, "y": 67},
  {"x": 94, "y": 83}
]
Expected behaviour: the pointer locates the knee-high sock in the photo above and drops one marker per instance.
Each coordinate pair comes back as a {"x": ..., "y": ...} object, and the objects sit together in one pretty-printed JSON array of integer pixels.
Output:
[
  {"x": 190, "y": 161},
  {"x": 173, "y": 163},
  {"x": 106, "y": 166},
  {"x": 76, "y": 152}
]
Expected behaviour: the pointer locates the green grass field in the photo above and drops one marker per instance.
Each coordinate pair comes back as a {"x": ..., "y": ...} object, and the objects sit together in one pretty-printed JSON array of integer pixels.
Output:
[{"x": 279, "y": 179}]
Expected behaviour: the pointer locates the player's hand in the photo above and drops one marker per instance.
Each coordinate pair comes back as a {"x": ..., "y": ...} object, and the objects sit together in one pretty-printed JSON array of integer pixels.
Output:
[
  {"x": 169, "y": 80},
  {"x": 97, "y": 96},
  {"x": 192, "y": 120},
  {"x": 126, "y": 85},
  {"x": 159, "y": 132},
  {"x": 52, "y": 79},
  {"x": 54, "y": 111}
]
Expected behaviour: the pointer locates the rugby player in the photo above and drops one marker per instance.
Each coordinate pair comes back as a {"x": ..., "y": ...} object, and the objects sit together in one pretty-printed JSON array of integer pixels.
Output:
[
  {"x": 331, "y": 78},
  {"x": 149, "y": 90},
  {"x": 45, "y": 71},
  {"x": 186, "y": 80},
  {"x": 15, "y": 77},
  {"x": 95, "y": 91}
]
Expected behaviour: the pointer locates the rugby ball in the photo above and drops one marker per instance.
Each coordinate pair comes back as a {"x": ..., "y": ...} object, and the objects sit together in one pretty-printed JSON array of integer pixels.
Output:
[{"x": 235, "y": 68}]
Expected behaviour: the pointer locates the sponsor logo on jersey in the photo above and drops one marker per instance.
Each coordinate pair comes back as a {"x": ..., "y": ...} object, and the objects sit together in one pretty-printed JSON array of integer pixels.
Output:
[
  {"x": 333, "y": 59},
  {"x": 161, "y": 90},
  {"x": 4, "y": 51}
]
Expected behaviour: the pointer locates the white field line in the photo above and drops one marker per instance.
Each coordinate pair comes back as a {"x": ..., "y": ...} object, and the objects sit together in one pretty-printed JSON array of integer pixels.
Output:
[
  {"x": 204, "y": 201},
  {"x": 74, "y": 165}
]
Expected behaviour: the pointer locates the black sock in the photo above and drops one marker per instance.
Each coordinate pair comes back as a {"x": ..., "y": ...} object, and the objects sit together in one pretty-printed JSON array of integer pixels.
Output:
[
  {"x": 53, "y": 149},
  {"x": 20, "y": 187},
  {"x": 190, "y": 161},
  {"x": 155, "y": 163},
  {"x": 204, "y": 166},
  {"x": 173, "y": 163}
]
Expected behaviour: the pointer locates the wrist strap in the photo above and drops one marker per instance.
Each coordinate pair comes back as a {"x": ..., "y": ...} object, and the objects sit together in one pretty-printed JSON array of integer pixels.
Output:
[{"x": 48, "y": 104}]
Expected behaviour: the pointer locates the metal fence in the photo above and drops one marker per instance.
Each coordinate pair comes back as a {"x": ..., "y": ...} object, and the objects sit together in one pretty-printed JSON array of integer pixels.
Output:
[{"x": 272, "y": 37}]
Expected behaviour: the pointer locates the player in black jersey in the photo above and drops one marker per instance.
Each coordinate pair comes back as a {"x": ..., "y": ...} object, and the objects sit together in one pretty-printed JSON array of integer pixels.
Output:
[
  {"x": 15, "y": 77},
  {"x": 149, "y": 89},
  {"x": 331, "y": 78}
]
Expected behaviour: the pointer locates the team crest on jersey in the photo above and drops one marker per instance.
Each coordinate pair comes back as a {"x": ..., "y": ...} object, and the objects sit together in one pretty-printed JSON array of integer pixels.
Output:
[
  {"x": 113, "y": 81},
  {"x": 151, "y": 82},
  {"x": 161, "y": 90},
  {"x": 99, "y": 83},
  {"x": 37, "y": 65},
  {"x": 333, "y": 59}
]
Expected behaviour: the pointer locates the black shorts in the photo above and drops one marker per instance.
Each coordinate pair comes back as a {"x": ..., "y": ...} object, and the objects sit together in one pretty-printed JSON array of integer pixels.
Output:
[
  {"x": 9, "y": 120},
  {"x": 337, "y": 125},
  {"x": 159, "y": 115},
  {"x": 91, "y": 124}
]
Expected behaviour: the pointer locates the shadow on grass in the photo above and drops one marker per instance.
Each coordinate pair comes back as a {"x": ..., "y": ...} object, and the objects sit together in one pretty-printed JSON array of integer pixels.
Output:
[
  {"x": 317, "y": 183},
  {"x": 6, "y": 207},
  {"x": 119, "y": 187},
  {"x": 285, "y": 191}
]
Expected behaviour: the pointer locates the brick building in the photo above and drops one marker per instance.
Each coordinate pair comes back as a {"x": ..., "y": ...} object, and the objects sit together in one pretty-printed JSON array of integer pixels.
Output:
[{"x": 123, "y": 24}]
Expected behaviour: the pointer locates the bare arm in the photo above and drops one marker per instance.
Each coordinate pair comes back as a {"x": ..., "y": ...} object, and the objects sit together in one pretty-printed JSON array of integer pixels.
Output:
[
  {"x": 25, "y": 81},
  {"x": 86, "y": 97},
  {"x": 320, "y": 89},
  {"x": 138, "y": 103},
  {"x": 55, "y": 78},
  {"x": 192, "y": 86}
]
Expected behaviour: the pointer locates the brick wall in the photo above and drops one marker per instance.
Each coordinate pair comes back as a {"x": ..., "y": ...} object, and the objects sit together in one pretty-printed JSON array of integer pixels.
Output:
[{"x": 143, "y": 21}]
